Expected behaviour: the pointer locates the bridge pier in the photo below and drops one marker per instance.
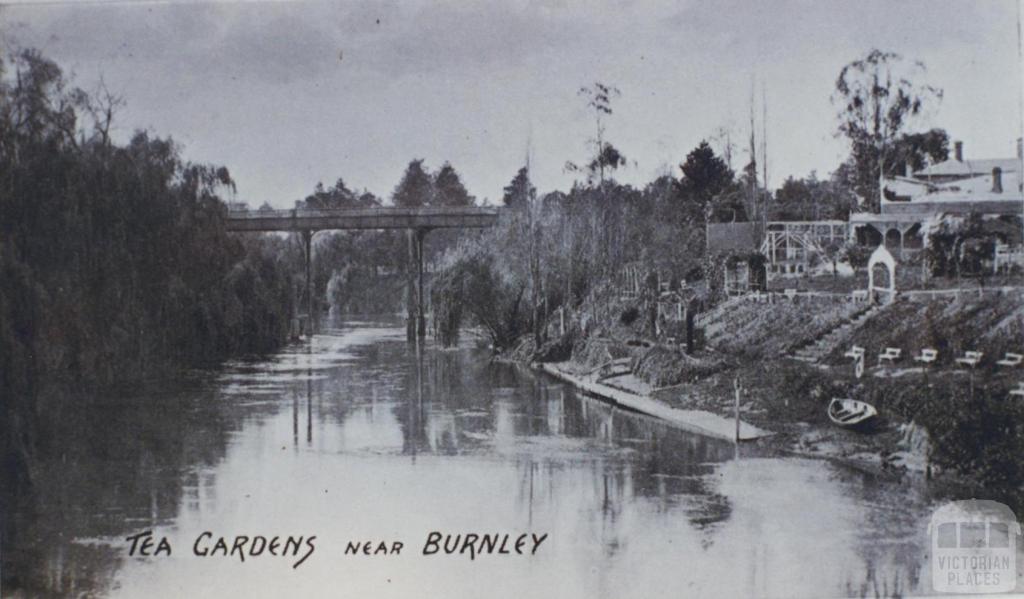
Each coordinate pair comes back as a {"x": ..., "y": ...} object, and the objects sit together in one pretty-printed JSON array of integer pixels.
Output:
[
  {"x": 416, "y": 322},
  {"x": 410, "y": 300},
  {"x": 421, "y": 317},
  {"x": 307, "y": 242},
  {"x": 416, "y": 221}
]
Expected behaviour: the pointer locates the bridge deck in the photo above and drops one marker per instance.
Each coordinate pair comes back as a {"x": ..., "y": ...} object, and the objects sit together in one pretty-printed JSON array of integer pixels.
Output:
[{"x": 361, "y": 218}]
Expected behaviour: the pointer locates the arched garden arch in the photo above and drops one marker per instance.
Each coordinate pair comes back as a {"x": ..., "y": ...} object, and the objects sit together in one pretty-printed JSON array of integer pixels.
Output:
[{"x": 882, "y": 258}]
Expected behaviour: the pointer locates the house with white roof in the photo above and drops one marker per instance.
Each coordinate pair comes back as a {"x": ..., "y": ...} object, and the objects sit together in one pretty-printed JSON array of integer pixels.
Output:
[{"x": 992, "y": 187}]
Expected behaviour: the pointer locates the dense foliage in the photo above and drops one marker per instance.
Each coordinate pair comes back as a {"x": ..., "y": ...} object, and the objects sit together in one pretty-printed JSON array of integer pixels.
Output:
[
  {"x": 811, "y": 198},
  {"x": 960, "y": 246},
  {"x": 364, "y": 272},
  {"x": 556, "y": 250},
  {"x": 114, "y": 261}
]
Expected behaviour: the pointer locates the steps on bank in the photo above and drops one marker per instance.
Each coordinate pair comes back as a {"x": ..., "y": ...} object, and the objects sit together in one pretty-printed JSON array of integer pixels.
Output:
[{"x": 815, "y": 349}]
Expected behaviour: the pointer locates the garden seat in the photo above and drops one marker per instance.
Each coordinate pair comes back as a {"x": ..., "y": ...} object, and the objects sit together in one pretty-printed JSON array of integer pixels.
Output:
[
  {"x": 971, "y": 358},
  {"x": 856, "y": 352},
  {"x": 1019, "y": 390},
  {"x": 1011, "y": 359},
  {"x": 928, "y": 355},
  {"x": 891, "y": 355}
]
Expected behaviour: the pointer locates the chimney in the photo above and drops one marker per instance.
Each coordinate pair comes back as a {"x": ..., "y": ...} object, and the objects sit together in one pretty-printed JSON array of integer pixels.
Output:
[
  {"x": 959, "y": 145},
  {"x": 997, "y": 180}
]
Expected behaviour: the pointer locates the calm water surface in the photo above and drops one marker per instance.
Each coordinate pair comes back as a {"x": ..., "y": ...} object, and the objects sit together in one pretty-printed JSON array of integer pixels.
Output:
[{"x": 356, "y": 436}]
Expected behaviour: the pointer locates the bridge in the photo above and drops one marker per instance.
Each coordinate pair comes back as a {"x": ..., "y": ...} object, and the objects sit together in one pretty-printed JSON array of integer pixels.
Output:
[
  {"x": 362, "y": 218},
  {"x": 417, "y": 221}
]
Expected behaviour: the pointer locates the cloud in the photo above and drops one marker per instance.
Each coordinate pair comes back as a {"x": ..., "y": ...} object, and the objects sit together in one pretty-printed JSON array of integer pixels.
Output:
[
  {"x": 289, "y": 43},
  {"x": 286, "y": 93}
]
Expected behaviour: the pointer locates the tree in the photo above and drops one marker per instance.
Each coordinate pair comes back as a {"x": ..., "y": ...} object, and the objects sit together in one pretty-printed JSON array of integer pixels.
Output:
[
  {"x": 416, "y": 188},
  {"x": 917, "y": 149},
  {"x": 449, "y": 190},
  {"x": 834, "y": 252},
  {"x": 857, "y": 255},
  {"x": 877, "y": 99},
  {"x": 810, "y": 198},
  {"x": 705, "y": 177},
  {"x": 518, "y": 192},
  {"x": 338, "y": 197},
  {"x": 123, "y": 248},
  {"x": 606, "y": 156},
  {"x": 962, "y": 245},
  {"x": 101, "y": 106}
]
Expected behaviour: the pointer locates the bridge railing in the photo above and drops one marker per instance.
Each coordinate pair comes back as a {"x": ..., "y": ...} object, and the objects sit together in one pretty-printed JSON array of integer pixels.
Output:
[
  {"x": 381, "y": 217},
  {"x": 368, "y": 212}
]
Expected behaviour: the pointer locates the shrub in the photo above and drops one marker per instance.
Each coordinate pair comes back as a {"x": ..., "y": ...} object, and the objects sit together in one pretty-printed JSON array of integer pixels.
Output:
[{"x": 629, "y": 315}]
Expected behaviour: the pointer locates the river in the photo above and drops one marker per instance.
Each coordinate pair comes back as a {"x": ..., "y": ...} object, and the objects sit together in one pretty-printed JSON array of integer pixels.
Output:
[{"x": 356, "y": 437}]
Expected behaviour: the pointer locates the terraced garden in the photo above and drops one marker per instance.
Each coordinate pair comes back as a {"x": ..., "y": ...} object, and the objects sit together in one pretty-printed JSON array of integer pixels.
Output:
[{"x": 756, "y": 330}]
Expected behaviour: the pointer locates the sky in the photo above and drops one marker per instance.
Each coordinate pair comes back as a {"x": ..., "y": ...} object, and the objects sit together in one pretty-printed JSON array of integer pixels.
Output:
[{"x": 287, "y": 94}]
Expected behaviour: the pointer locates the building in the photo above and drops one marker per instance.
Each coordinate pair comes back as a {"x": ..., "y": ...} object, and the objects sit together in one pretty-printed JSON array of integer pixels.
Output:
[
  {"x": 957, "y": 186},
  {"x": 790, "y": 246},
  {"x": 911, "y": 204}
]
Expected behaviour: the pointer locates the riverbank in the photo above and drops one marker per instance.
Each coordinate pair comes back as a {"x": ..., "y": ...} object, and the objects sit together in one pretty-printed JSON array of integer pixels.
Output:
[
  {"x": 707, "y": 407},
  {"x": 946, "y": 422}
]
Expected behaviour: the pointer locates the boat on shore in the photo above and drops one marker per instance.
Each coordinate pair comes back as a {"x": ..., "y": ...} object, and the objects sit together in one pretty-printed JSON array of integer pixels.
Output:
[{"x": 851, "y": 413}]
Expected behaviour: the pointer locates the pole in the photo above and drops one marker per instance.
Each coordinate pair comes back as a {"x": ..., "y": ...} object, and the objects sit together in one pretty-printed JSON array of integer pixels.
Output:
[
  {"x": 309, "y": 406},
  {"x": 689, "y": 329},
  {"x": 421, "y": 319},
  {"x": 736, "y": 386},
  {"x": 295, "y": 418}
]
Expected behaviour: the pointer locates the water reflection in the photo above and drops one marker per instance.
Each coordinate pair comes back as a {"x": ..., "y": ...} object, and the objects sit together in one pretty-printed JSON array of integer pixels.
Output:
[{"x": 357, "y": 436}]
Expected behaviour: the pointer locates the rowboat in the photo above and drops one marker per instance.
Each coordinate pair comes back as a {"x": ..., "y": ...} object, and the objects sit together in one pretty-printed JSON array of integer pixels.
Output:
[{"x": 850, "y": 413}]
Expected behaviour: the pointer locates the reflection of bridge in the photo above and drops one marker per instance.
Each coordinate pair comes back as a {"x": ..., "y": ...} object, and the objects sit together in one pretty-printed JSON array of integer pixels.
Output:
[{"x": 417, "y": 221}]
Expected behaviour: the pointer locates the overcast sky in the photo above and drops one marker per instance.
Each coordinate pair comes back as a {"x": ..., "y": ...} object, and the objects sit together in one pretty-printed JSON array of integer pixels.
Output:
[{"x": 288, "y": 94}]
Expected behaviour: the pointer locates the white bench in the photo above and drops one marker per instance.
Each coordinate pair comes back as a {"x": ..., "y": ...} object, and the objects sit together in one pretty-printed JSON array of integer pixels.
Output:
[
  {"x": 971, "y": 358},
  {"x": 1019, "y": 390},
  {"x": 856, "y": 352},
  {"x": 1011, "y": 359},
  {"x": 928, "y": 355},
  {"x": 891, "y": 355}
]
